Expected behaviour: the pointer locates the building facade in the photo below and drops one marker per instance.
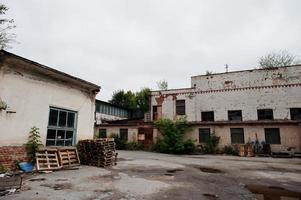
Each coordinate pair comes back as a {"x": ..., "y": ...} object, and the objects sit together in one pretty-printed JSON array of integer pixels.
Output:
[
  {"x": 238, "y": 106},
  {"x": 31, "y": 94}
]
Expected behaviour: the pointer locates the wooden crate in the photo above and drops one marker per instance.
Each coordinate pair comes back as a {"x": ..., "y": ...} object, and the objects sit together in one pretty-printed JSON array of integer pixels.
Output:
[
  {"x": 68, "y": 157},
  {"x": 47, "y": 159}
]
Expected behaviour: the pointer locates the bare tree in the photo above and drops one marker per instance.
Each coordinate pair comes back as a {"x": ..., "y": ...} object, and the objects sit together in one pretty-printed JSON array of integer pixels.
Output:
[
  {"x": 6, "y": 25},
  {"x": 278, "y": 59},
  {"x": 162, "y": 85}
]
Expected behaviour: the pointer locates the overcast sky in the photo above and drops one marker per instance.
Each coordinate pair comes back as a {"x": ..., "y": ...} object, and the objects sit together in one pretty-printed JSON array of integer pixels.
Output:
[{"x": 130, "y": 44}]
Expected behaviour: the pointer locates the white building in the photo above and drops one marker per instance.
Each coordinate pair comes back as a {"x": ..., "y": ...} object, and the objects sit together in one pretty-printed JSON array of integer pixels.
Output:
[
  {"x": 60, "y": 105},
  {"x": 238, "y": 106}
]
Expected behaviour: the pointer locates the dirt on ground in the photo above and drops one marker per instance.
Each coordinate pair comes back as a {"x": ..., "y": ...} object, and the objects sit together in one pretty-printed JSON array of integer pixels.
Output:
[{"x": 144, "y": 175}]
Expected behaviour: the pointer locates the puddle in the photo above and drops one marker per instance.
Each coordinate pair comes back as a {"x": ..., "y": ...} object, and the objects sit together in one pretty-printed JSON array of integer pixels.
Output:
[
  {"x": 37, "y": 179},
  {"x": 273, "y": 192},
  {"x": 210, "y": 196},
  {"x": 210, "y": 170},
  {"x": 168, "y": 174},
  {"x": 61, "y": 179},
  {"x": 63, "y": 186},
  {"x": 174, "y": 170}
]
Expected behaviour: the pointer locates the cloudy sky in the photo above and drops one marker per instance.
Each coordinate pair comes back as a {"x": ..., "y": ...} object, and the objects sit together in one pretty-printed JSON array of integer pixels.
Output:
[{"x": 130, "y": 44}]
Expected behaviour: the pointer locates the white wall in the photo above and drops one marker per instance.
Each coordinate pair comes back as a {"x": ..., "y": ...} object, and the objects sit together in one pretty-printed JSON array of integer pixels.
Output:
[
  {"x": 280, "y": 99},
  {"x": 250, "y": 78},
  {"x": 30, "y": 97}
]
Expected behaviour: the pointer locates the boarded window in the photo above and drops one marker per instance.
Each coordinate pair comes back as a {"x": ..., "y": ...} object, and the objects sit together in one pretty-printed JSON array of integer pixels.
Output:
[
  {"x": 237, "y": 136},
  {"x": 102, "y": 133},
  {"x": 272, "y": 135},
  {"x": 61, "y": 127},
  {"x": 123, "y": 134},
  {"x": 234, "y": 115},
  {"x": 204, "y": 135},
  {"x": 180, "y": 107},
  {"x": 207, "y": 116},
  {"x": 295, "y": 113},
  {"x": 265, "y": 114}
]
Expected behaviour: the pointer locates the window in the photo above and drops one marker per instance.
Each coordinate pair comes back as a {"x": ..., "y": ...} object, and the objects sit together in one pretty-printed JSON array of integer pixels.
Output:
[
  {"x": 234, "y": 115},
  {"x": 61, "y": 127},
  {"x": 295, "y": 113},
  {"x": 102, "y": 133},
  {"x": 207, "y": 116},
  {"x": 265, "y": 114},
  {"x": 180, "y": 107},
  {"x": 204, "y": 135},
  {"x": 272, "y": 135},
  {"x": 123, "y": 134},
  {"x": 237, "y": 136}
]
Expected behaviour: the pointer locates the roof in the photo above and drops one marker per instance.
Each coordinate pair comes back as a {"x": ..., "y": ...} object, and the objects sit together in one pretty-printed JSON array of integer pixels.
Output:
[
  {"x": 247, "y": 70},
  {"x": 110, "y": 104},
  {"x": 50, "y": 72}
]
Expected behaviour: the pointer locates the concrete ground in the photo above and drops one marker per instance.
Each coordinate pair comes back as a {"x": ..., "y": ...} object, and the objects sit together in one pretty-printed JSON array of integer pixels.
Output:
[{"x": 144, "y": 175}]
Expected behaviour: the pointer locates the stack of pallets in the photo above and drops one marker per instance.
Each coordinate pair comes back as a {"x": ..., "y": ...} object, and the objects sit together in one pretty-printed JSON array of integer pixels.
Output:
[{"x": 100, "y": 152}]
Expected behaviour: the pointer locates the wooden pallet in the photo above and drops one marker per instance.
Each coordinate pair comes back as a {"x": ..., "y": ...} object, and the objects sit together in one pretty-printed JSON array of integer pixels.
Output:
[
  {"x": 47, "y": 159},
  {"x": 68, "y": 157}
]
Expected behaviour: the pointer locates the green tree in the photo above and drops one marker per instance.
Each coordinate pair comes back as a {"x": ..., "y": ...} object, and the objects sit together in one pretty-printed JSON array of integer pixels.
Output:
[
  {"x": 143, "y": 99},
  {"x": 33, "y": 144},
  {"x": 278, "y": 59},
  {"x": 6, "y": 37}
]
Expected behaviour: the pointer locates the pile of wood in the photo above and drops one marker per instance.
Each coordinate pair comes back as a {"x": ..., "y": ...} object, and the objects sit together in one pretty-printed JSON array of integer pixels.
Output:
[
  {"x": 100, "y": 152},
  {"x": 57, "y": 158}
]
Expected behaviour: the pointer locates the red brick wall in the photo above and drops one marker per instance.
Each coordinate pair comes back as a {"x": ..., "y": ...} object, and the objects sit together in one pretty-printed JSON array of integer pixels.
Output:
[{"x": 9, "y": 155}]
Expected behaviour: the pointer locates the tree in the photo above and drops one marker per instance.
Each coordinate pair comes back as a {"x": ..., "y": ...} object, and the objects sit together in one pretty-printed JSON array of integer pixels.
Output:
[
  {"x": 132, "y": 101},
  {"x": 143, "y": 99},
  {"x": 162, "y": 85},
  {"x": 6, "y": 25},
  {"x": 209, "y": 72},
  {"x": 278, "y": 59}
]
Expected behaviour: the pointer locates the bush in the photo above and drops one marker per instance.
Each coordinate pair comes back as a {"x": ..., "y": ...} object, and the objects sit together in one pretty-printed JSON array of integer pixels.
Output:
[
  {"x": 172, "y": 133},
  {"x": 134, "y": 146},
  {"x": 120, "y": 144},
  {"x": 189, "y": 146},
  {"x": 210, "y": 146},
  {"x": 33, "y": 144},
  {"x": 229, "y": 150}
]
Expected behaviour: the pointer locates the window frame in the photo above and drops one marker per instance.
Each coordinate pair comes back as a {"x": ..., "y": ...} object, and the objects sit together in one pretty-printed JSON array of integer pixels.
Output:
[
  {"x": 295, "y": 113},
  {"x": 232, "y": 135},
  {"x": 57, "y": 128},
  {"x": 262, "y": 116},
  {"x": 120, "y": 133},
  {"x": 207, "y": 112},
  {"x": 181, "y": 109},
  {"x": 232, "y": 112},
  {"x": 268, "y": 138},
  {"x": 204, "y": 129}
]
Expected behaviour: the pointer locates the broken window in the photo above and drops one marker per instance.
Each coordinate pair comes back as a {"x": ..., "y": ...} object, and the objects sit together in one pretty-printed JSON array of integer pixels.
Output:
[
  {"x": 123, "y": 133},
  {"x": 61, "y": 127},
  {"x": 234, "y": 115},
  {"x": 237, "y": 136},
  {"x": 295, "y": 113},
  {"x": 265, "y": 114},
  {"x": 272, "y": 135},
  {"x": 204, "y": 135},
  {"x": 207, "y": 116},
  {"x": 180, "y": 107}
]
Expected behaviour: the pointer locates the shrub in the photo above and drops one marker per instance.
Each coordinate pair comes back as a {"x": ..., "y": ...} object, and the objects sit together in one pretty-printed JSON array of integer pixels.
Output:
[
  {"x": 210, "y": 146},
  {"x": 120, "y": 144},
  {"x": 33, "y": 144},
  {"x": 229, "y": 150},
  {"x": 172, "y": 137},
  {"x": 134, "y": 146},
  {"x": 189, "y": 146}
]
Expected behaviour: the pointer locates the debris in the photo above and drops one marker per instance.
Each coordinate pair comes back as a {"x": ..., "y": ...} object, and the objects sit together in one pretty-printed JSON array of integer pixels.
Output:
[
  {"x": 273, "y": 192},
  {"x": 37, "y": 179},
  {"x": 9, "y": 183},
  {"x": 100, "y": 152}
]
